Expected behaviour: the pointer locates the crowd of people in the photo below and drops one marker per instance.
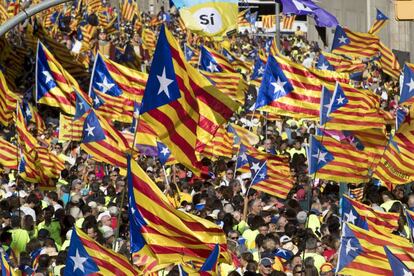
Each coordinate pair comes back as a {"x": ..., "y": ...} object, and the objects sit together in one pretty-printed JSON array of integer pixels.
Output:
[{"x": 266, "y": 235}]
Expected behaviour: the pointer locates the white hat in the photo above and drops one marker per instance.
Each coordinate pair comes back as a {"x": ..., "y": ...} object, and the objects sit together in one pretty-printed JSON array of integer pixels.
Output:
[
  {"x": 101, "y": 215},
  {"x": 93, "y": 204},
  {"x": 214, "y": 213},
  {"x": 107, "y": 231},
  {"x": 246, "y": 176}
]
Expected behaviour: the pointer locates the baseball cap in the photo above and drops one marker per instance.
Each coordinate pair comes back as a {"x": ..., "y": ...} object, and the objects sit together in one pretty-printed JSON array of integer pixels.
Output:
[{"x": 266, "y": 262}]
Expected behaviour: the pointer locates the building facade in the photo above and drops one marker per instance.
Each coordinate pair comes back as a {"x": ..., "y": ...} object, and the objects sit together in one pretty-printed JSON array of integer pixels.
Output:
[{"x": 153, "y": 6}]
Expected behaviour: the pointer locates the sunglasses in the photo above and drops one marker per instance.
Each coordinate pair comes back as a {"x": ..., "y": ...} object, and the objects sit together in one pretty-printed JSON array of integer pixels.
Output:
[{"x": 234, "y": 238}]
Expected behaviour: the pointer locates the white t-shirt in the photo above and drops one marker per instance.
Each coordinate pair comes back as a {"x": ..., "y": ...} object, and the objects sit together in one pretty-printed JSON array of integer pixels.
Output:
[{"x": 28, "y": 211}]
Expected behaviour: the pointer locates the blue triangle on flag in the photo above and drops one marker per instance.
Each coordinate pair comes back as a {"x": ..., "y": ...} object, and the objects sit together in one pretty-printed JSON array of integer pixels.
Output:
[
  {"x": 274, "y": 84},
  {"x": 207, "y": 61},
  {"x": 78, "y": 261},
  {"x": 92, "y": 129},
  {"x": 350, "y": 248},
  {"x": 319, "y": 156},
  {"x": 82, "y": 106},
  {"x": 162, "y": 87},
  {"x": 163, "y": 153},
  {"x": 258, "y": 169},
  {"x": 381, "y": 16},
  {"x": 407, "y": 87},
  {"x": 398, "y": 268},
  {"x": 326, "y": 98},
  {"x": 338, "y": 99},
  {"x": 102, "y": 80},
  {"x": 340, "y": 38},
  {"x": 350, "y": 215},
  {"x": 45, "y": 80},
  {"x": 323, "y": 64},
  {"x": 211, "y": 261}
]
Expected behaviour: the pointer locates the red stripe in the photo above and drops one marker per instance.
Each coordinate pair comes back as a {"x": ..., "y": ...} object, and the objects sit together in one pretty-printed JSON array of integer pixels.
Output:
[{"x": 173, "y": 135}]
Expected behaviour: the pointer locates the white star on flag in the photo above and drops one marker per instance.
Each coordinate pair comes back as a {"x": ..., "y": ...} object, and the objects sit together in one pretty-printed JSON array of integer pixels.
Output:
[
  {"x": 78, "y": 262},
  {"x": 96, "y": 100},
  {"x": 256, "y": 167},
  {"x": 81, "y": 105},
  {"x": 90, "y": 129},
  {"x": 410, "y": 85},
  {"x": 349, "y": 247},
  {"x": 261, "y": 70},
  {"x": 28, "y": 112},
  {"x": 324, "y": 66},
  {"x": 48, "y": 76},
  {"x": 243, "y": 157},
  {"x": 342, "y": 40},
  {"x": 212, "y": 67},
  {"x": 262, "y": 176},
  {"x": 164, "y": 83},
  {"x": 250, "y": 97},
  {"x": 279, "y": 86},
  {"x": 350, "y": 217},
  {"x": 407, "y": 273},
  {"x": 165, "y": 151},
  {"x": 320, "y": 156},
  {"x": 340, "y": 100},
  {"x": 105, "y": 85}
]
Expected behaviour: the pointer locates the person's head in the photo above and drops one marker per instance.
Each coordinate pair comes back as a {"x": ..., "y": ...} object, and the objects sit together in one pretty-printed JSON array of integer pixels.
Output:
[
  {"x": 245, "y": 258},
  {"x": 298, "y": 270},
  {"x": 267, "y": 144},
  {"x": 410, "y": 200},
  {"x": 255, "y": 206},
  {"x": 281, "y": 222},
  {"x": 311, "y": 244},
  {"x": 229, "y": 174},
  {"x": 265, "y": 266},
  {"x": 53, "y": 196},
  {"x": 387, "y": 196},
  {"x": 48, "y": 213},
  {"x": 295, "y": 261},
  {"x": 58, "y": 148},
  {"x": 105, "y": 219},
  {"x": 92, "y": 231}
]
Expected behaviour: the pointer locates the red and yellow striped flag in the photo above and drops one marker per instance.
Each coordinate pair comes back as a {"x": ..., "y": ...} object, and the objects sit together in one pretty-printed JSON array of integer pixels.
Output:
[
  {"x": 380, "y": 21},
  {"x": 344, "y": 65},
  {"x": 97, "y": 259},
  {"x": 8, "y": 102},
  {"x": 288, "y": 21},
  {"x": 8, "y": 155},
  {"x": 349, "y": 165},
  {"x": 363, "y": 252},
  {"x": 51, "y": 164},
  {"x": 180, "y": 105},
  {"x": 378, "y": 222},
  {"x": 220, "y": 146},
  {"x": 3, "y": 14},
  {"x": 163, "y": 233},
  {"x": 397, "y": 163},
  {"x": 388, "y": 62},
  {"x": 70, "y": 130},
  {"x": 110, "y": 150},
  {"x": 54, "y": 85},
  {"x": 149, "y": 40},
  {"x": 355, "y": 44},
  {"x": 268, "y": 21},
  {"x": 128, "y": 10},
  {"x": 231, "y": 84}
]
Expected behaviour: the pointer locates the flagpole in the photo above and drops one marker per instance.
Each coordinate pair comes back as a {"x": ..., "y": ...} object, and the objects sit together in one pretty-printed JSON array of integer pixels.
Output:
[
  {"x": 277, "y": 11},
  {"x": 254, "y": 178},
  {"x": 119, "y": 218}
]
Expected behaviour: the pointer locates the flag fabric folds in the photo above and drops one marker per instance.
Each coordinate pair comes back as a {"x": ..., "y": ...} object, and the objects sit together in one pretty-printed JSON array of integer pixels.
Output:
[
  {"x": 8, "y": 155},
  {"x": 220, "y": 146},
  {"x": 338, "y": 161},
  {"x": 407, "y": 86},
  {"x": 367, "y": 218},
  {"x": 187, "y": 111},
  {"x": 69, "y": 129},
  {"x": 355, "y": 44},
  {"x": 86, "y": 256},
  {"x": 287, "y": 21},
  {"x": 342, "y": 64},
  {"x": 161, "y": 232},
  {"x": 231, "y": 84},
  {"x": 362, "y": 252},
  {"x": 396, "y": 164},
  {"x": 388, "y": 62},
  {"x": 209, "y": 17},
  {"x": 102, "y": 141},
  {"x": 380, "y": 20},
  {"x": 8, "y": 102},
  {"x": 308, "y": 7},
  {"x": 212, "y": 61},
  {"x": 54, "y": 85}
]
